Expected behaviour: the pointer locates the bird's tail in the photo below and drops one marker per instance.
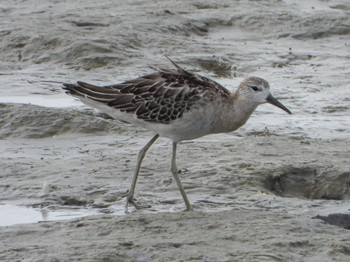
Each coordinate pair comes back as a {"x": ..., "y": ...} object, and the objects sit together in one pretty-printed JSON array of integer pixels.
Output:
[{"x": 85, "y": 90}]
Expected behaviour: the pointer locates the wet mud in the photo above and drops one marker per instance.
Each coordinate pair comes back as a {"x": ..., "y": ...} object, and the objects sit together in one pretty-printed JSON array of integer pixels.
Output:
[{"x": 278, "y": 189}]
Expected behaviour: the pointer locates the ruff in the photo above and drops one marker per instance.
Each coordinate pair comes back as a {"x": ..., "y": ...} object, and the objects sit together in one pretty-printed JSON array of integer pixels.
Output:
[{"x": 176, "y": 104}]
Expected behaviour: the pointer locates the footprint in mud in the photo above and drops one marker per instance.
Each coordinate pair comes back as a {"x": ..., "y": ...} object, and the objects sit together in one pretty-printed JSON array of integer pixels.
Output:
[
  {"x": 73, "y": 201},
  {"x": 340, "y": 220},
  {"x": 308, "y": 182}
]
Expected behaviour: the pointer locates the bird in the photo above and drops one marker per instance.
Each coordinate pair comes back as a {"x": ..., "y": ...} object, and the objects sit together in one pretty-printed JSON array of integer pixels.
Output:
[{"x": 176, "y": 104}]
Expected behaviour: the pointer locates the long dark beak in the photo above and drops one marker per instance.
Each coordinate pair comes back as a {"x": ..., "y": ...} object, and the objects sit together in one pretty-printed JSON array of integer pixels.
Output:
[{"x": 270, "y": 99}]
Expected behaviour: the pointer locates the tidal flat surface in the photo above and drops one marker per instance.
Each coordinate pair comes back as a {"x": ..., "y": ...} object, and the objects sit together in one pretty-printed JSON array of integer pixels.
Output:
[{"x": 278, "y": 189}]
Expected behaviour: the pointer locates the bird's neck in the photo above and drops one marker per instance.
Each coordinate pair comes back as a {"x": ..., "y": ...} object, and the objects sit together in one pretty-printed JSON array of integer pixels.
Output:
[{"x": 237, "y": 112}]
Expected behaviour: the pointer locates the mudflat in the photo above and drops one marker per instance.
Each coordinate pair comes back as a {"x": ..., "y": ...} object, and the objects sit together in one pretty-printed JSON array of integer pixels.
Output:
[{"x": 275, "y": 190}]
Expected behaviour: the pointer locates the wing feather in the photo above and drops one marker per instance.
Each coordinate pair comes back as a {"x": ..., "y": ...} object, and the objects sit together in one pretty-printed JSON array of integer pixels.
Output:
[{"x": 160, "y": 97}]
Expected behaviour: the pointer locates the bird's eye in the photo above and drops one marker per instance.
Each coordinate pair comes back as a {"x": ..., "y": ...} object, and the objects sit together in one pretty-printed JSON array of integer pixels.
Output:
[{"x": 255, "y": 88}]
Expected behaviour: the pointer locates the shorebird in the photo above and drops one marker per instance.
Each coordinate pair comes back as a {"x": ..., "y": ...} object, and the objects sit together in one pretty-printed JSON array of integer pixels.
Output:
[{"x": 176, "y": 104}]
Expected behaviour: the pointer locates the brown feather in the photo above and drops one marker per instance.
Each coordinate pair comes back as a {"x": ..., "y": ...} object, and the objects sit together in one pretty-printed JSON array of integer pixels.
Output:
[{"x": 161, "y": 97}]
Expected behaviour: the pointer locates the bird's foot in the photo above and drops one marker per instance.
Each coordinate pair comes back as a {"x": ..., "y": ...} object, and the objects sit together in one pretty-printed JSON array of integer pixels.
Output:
[
  {"x": 189, "y": 209},
  {"x": 132, "y": 201}
]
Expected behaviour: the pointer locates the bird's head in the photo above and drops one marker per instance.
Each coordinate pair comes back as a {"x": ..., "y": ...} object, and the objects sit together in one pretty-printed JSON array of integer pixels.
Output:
[{"x": 257, "y": 91}]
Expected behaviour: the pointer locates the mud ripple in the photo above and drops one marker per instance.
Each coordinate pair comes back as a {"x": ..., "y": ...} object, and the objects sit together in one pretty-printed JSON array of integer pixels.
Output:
[{"x": 30, "y": 121}]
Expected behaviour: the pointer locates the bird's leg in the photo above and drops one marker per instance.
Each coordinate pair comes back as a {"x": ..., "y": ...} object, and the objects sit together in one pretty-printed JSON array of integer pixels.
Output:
[
  {"x": 131, "y": 192},
  {"x": 175, "y": 173}
]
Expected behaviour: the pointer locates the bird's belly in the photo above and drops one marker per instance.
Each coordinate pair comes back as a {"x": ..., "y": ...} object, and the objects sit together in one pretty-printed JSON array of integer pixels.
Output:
[
  {"x": 179, "y": 132},
  {"x": 192, "y": 125}
]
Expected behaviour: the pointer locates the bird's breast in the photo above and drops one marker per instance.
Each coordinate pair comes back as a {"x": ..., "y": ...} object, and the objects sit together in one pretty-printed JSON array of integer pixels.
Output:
[{"x": 202, "y": 119}]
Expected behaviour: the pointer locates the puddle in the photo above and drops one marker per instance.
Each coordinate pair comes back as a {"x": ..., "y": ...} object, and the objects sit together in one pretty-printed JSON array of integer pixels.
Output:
[
  {"x": 12, "y": 214},
  {"x": 41, "y": 100}
]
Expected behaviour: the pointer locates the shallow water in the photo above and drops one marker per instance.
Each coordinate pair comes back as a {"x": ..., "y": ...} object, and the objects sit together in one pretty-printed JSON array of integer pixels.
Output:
[
  {"x": 46, "y": 101},
  {"x": 14, "y": 214}
]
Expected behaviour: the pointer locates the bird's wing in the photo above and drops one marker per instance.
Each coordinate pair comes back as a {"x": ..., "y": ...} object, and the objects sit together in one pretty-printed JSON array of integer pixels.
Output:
[{"x": 160, "y": 97}]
